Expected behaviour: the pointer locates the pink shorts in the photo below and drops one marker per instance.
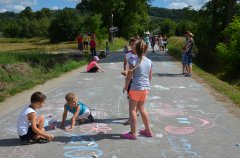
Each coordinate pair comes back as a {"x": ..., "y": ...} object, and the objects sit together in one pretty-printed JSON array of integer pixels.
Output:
[{"x": 140, "y": 95}]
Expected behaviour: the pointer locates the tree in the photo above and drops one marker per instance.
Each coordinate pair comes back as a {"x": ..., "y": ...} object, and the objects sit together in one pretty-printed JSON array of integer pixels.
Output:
[
  {"x": 64, "y": 27},
  {"x": 27, "y": 13},
  {"x": 168, "y": 27},
  {"x": 229, "y": 53},
  {"x": 135, "y": 18},
  {"x": 130, "y": 16}
]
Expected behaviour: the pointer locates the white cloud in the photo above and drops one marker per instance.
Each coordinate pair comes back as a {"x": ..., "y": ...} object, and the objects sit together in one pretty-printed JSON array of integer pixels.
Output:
[
  {"x": 17, "y": 5},
  {"x": 6, "y": 1},
  {"x": 176, "y": 5},
  {"x": 3, "y": 10},
  {"x": 179, "y": 4},
  {"x": 55, "y": 8}
]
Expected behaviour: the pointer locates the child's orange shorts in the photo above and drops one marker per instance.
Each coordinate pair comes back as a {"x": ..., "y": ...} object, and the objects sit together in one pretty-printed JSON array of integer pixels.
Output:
[{"x": 140, "y": 95}]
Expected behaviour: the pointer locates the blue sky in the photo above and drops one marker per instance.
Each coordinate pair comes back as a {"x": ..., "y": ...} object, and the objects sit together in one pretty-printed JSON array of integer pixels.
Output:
[{"x": 18, "y": 5}]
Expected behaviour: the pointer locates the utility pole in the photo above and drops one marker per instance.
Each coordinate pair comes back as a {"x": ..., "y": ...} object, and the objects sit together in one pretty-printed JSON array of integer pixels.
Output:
[{"x": 110, "y": 32}]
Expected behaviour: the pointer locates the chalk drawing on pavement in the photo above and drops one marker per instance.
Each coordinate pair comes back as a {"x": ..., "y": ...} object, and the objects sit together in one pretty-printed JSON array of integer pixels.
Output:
[
  {"x": 160, "y": 88},
  {"x": 95, "y": 128}
]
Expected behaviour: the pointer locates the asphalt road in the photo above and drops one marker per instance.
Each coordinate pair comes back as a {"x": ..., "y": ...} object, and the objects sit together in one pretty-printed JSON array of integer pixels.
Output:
[{"x": 186, "y": 119}]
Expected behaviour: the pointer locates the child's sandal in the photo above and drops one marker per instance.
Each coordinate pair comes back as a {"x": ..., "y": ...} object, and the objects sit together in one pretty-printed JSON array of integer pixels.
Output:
[{"x": 42, "y": 140}]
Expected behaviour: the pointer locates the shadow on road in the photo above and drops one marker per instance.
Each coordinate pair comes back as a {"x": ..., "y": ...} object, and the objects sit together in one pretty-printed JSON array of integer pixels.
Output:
[
  {"x": 167, "y": 75},
  {"x": 101, "y": 136},
  {"x": 17, "y": 142}
]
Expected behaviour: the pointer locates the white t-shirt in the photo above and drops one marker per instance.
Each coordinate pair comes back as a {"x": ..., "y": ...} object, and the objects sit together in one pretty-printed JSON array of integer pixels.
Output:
[
  {"x": 130, "y": 56},
  {"x": 23, "y": 123}
]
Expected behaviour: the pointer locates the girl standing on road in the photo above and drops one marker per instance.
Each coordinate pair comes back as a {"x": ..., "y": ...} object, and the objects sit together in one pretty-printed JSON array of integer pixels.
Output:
[{"x": 140, "y": 71}]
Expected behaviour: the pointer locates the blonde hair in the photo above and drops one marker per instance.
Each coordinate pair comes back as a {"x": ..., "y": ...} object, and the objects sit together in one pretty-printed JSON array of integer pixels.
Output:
[
  {"x": 141, "y": 48},
  {"x": 190, "y": 34},
  {"x": 70, "y": 97}
]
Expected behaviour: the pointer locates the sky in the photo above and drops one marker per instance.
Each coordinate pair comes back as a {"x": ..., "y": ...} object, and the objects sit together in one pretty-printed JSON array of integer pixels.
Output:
[{"x": 19, "y": 5}]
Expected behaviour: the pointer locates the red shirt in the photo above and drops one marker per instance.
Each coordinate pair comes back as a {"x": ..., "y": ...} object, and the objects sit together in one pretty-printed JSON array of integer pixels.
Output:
[
  {"x": 91, "y": 65},
  {"x": 92, "y": 44},
  {"x": 79, "y": 39}
]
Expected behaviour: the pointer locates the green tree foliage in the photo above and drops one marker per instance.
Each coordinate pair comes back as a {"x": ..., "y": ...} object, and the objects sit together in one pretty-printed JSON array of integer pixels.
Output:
[
  {"x": 229, "y": 53},
  {"x": 12, "y": 29},
  {"x": 185, "y": 25},
  {"x": 168, "y": 27},
  {"x": 211, "y": 21},
  {"x": 94, "y": 25},
  {"x": 167, "y": 13},
  {"x": 27, "y": 13},
  {"x": 64, "y": 27},
  {"x": 130, "y": 16},
  {"x": 135, "y": 18}
]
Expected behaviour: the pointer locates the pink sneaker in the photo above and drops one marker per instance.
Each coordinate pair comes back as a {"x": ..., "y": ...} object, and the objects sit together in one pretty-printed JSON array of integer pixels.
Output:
[
  {"x": 145, "y": 133},
  {"x": 129, "y": 136}
]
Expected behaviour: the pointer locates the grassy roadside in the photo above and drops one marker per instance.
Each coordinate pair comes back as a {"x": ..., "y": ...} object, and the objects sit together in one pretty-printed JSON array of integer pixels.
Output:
[
  {"x": 21, "y": 71},
  {"x": 231, "y": 91},
  {"x": 23, "y": 67}
]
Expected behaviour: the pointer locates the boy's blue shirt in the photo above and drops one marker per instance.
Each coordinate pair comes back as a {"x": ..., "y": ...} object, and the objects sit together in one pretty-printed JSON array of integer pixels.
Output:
[{"x": 83, "y": 108}]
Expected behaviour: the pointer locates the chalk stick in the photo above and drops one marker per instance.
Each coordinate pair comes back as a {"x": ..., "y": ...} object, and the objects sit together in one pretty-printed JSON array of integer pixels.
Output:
[{"x": 91, "y": 143}]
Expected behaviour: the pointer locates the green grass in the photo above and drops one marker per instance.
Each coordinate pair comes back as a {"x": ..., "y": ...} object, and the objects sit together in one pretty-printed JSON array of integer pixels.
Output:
[
  {"x": 117, "y": 44},
  {"x": 22, "y": 40},
  {"x": 231, "y": 91},
  {"x": 36, "y": 68}
]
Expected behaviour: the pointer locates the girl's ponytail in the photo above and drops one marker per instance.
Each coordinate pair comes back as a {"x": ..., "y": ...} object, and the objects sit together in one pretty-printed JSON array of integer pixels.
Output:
[{"x": 141, "y": 48}]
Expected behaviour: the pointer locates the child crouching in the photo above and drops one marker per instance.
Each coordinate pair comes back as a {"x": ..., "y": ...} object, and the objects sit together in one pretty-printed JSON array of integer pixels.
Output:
[
  {"x": 79, "y": 110},
  {"x": 30, "y": 127}
]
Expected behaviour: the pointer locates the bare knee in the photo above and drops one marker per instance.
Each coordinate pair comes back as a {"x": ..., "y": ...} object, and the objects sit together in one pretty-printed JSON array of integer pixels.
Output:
[{"x": 40, "y": 118}]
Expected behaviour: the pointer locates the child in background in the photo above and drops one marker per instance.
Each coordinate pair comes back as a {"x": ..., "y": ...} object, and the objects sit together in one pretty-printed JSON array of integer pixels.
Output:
[
  {"x": 129, "y": 55},
  {"x": 30, "y": 128},
  {"x": 79, "y": 110},
  {"x": 93, "y": 66},
  {"x": 125, "y": 49},
  {"x": 93, "y": 47},
  {"x": 107, "y": 49}
]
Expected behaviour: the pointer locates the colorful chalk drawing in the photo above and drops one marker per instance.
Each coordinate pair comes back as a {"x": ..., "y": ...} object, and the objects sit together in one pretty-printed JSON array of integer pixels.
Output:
[
  {"x": 184, "y": 123},
  {"x": 95, "y": 128},
  {"x": 180, "y": 148},
  {"x": 81, "y": 147},
  {"x": 179, "y": 130}
]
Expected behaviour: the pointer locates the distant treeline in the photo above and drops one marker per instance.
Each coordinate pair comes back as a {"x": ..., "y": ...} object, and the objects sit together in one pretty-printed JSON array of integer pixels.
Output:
[{"x": 175, "y": 14}]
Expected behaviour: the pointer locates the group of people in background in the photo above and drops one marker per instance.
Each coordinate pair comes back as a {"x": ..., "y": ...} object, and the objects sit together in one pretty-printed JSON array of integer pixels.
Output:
[
  {"x": 159, "y": 40},
  {"x": 85, "y": 40}
]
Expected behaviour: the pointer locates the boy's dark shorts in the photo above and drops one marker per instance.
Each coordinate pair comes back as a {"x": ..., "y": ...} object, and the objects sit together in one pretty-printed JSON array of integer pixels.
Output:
[{"x": 29, "y": 136}]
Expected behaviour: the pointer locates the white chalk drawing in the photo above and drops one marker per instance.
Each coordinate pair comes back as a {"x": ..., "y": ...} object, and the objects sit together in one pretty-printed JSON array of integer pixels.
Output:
[
  {"x": 88, "y": 79},
  {"x": 160, "y": 88}
]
